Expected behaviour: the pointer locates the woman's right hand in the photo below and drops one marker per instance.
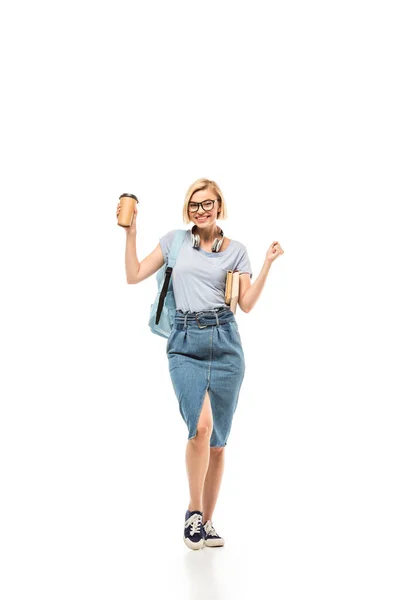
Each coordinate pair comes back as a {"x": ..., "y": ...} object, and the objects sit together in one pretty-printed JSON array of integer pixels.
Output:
[{"x": 132, "y": 227}]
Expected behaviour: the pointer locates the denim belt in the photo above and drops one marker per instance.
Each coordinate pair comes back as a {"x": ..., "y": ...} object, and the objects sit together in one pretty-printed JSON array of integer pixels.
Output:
[{"x": 205, "y": 318}]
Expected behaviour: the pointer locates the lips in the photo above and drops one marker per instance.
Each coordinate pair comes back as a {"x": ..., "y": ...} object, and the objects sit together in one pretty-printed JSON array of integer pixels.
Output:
[{"x": 202, "y": 220}]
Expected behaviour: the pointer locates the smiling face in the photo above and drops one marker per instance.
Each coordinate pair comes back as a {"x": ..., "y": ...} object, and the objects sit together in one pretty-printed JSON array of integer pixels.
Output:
[{"x": 204, "y": 218}]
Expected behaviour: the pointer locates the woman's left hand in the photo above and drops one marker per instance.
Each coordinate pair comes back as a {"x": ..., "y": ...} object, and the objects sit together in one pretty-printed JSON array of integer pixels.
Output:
[{"x": 273, "y": 252}]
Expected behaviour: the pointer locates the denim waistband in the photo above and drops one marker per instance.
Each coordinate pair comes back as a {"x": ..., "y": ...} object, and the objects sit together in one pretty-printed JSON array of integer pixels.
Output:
[{"x": 205, "y": 318}]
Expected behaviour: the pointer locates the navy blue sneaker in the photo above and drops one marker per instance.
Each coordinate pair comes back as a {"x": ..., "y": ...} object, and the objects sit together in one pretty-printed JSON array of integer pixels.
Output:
[
  {"x": 211, "y": 536},
  {"x": 194, "y": 535}
]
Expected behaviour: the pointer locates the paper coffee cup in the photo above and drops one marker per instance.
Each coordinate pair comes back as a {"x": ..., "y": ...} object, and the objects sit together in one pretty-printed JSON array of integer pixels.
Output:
[{"x": 125, "y": 216}]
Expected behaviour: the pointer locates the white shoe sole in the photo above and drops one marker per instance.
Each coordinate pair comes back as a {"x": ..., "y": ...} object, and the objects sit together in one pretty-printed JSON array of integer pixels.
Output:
[
  {"x": 214, "y": 543},
  {"x": 193, "y": 545}
]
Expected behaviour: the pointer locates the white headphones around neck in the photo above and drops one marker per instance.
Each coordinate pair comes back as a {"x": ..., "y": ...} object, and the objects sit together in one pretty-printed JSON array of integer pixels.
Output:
[{"x": 216, "y": 244}]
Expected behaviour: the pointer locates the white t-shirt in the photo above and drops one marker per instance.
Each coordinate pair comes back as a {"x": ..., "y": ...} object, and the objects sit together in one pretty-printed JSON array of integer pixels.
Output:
[{"x": 199, "y": 277}]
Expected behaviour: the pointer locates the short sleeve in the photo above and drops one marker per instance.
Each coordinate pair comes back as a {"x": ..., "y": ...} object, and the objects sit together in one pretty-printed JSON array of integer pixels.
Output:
[
  {"x": 243, "y": 264},
  {"x": 166, "y": 243}
]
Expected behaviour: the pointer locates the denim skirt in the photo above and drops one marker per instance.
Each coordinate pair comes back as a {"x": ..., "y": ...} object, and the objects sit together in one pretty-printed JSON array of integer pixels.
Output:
[{"x": 205, "y": 352}]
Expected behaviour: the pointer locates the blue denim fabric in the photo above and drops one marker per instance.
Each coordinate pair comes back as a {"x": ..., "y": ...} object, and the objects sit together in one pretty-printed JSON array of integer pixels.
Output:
[{"x": 204, "y": 353}]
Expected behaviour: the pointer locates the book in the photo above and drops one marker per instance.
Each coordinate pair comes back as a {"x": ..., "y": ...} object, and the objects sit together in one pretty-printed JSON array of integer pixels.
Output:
[{"x": 232, "y": 289}]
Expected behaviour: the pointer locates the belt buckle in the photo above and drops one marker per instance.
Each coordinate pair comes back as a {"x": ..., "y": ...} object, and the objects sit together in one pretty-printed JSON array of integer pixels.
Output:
[{"x": 200, "y": 326}]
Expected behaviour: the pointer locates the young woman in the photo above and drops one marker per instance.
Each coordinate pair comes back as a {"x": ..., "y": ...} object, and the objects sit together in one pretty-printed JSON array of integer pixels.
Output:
[{"x": 204, "y": 349}]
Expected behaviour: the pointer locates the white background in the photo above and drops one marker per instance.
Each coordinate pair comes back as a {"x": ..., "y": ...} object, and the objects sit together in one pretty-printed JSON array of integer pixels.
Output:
[{"x": 293, "y": 108}]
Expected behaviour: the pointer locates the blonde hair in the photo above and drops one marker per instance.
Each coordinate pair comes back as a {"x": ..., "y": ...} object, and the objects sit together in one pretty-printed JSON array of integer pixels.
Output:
[{"x": 204, "y": 184}]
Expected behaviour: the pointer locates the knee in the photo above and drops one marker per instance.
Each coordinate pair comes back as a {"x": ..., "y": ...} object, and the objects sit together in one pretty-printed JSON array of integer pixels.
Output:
[
  {"x": 204, "y": 430},
  {"x": 217, "y": 450}
]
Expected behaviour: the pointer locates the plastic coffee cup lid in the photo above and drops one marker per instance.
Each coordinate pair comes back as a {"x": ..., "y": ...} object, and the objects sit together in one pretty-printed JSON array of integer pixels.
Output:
[{"x": 130, "y": 196}]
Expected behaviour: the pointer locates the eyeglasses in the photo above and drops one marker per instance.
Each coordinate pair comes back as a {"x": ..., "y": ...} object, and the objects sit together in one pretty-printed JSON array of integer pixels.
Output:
[{"x": 205, "y": 205}]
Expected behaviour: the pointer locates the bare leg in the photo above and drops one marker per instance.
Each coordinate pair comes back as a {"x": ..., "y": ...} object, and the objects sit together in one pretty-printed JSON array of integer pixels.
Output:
[
  {"x": 212, "y": 481},
  {"x": 198, "y": 455}
]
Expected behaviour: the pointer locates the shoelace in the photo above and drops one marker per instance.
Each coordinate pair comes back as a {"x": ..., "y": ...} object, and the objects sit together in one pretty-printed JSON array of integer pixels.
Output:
[
  {"x": 195, "y": 523},
  {"x": 209, "y": 529}
]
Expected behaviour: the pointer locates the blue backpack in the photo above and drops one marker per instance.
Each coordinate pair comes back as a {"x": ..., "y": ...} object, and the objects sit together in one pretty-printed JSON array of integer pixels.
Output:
[{"x": 162, "y": 311}]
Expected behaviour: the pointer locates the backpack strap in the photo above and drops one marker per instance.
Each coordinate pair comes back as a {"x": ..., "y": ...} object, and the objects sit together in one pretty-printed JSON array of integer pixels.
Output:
[
  {"x": 172, "y": 255},
  {"x": 176, "y": 246}
]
